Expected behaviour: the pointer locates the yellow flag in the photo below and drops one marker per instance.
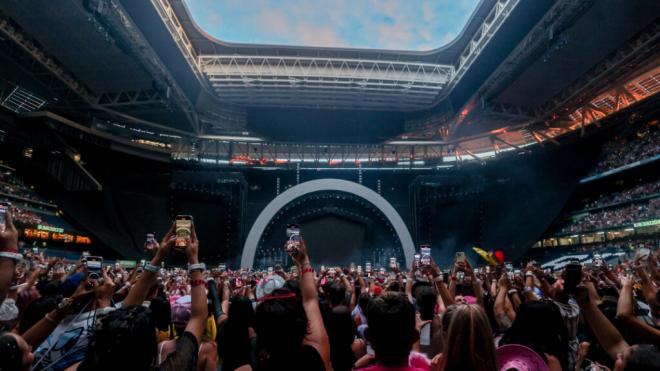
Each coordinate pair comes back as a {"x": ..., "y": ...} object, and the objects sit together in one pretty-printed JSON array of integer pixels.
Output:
[{"x": 487, "y": 257}]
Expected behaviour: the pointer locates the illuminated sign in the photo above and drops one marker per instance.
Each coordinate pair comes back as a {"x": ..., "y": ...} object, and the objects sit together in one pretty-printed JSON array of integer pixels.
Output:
[
  {"x": 63, "y": 237},
  {"x": 127, "y": 263},
  {"x": 83, "y": 240},
  {"x": 56, "y": 236},
  {"x": 49, "y": 228},
  {"x": 35, "y": 233},
  {"x": 647, "y": 223}
]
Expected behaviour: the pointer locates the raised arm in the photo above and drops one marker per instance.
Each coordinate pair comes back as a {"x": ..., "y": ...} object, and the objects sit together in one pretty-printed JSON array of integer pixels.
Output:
[
  {"x": 608, "y": 336},
  {"x": 8, "y": 246},
  {"x": 440, "y": 286},
  {"x": 215, "y": 300},
  {"x": 410, "y": 281},
  {"x": 499, "y": 307},
  {"x": 528, "y": 291},
  {"x": 40, "y": 331},
  {"x": 199, "y": 309},
  {"x": 346, "y": 282},
  {"x": 625, "y": 312},
  {"x": 476, "y": 284},
  {"x": 138, "y": 292},
  {"x": 316, "y": 336},
  {"x": 653, "y": 267}
]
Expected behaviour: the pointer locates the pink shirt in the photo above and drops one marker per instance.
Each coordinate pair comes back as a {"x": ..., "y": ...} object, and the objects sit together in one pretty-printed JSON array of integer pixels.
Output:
[{"x": 416, "y": 362}]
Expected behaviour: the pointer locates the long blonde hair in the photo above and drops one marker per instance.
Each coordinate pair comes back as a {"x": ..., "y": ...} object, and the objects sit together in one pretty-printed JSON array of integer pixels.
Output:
[{"x": 469, "y": 344}]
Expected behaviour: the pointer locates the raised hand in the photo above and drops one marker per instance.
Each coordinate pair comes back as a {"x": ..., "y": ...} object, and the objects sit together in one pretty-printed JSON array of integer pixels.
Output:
[
  {"x": 9, "y": 236},
  {"x": 301, "y": 257},
  {"x": 432, "y": 269},
  {"x": 165, "y": 246},
  {"x": 192, "y": 246},
  {"x": 504, "y": 282},
  {"x": 105, "y": 290},
  {"x": 627, "y": 280}
]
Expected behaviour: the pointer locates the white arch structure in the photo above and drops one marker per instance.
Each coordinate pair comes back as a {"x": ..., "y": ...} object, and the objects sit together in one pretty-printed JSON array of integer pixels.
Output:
[{"x": 328, "y": 184}]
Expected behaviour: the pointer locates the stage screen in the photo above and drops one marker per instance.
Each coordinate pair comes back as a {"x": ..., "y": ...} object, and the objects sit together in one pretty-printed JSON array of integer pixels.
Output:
[{"x": 334, "y": 241}]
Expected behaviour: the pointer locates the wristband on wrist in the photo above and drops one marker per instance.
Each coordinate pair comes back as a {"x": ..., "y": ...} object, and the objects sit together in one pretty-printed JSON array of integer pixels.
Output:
[
  {"x": 512, "y": 291},
  {"x": 151, "y": 268},
  {"x": 201, "y": 267},
  {"x": 51, "y": 319},
  {"x": 307, "y": 270},
  {"x": 194, "y": 283},
  {"x": 64, "y": 304},
  {"x": 529, "y": 274},
  {"x": 11, "y": 255}
]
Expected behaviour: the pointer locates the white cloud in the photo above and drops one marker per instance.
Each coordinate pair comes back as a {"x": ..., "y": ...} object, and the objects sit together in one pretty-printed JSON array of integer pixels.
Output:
[
  {"x": 275, "y": 21},
  {"x": 383, "y": 24},
  {"x": 319, "y": 36}
]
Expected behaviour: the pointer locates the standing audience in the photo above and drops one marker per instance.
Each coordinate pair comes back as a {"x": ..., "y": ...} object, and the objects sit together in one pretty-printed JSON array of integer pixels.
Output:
[{"x": 473, "y": 319}]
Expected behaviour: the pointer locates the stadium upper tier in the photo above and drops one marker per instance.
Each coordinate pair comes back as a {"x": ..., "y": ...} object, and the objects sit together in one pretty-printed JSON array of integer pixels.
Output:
[
  {"x": 519, "y": 73},
  {"x": 294, "y": 76}
]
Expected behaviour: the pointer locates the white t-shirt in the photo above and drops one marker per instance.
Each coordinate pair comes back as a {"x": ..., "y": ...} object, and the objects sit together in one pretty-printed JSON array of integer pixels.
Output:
[{"x": 67, "y": 344}]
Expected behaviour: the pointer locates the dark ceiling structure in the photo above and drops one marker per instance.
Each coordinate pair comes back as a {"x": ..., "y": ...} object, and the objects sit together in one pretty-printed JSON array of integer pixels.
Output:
[{"x": 144, "y": 74}]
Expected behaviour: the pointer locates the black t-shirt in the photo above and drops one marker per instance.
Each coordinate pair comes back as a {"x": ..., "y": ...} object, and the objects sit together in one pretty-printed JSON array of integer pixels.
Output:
[{"x": 307, "y": 358}]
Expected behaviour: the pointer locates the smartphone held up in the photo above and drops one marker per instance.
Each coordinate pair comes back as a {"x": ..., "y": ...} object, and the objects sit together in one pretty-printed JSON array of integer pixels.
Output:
[
  {"x": 94, "y": 265},
  {"x": 183, "y": 230},
  {"x": 293, "y": 239},
  {"x": 425, "y": 256},
  {"x": 572, "y": 276}
]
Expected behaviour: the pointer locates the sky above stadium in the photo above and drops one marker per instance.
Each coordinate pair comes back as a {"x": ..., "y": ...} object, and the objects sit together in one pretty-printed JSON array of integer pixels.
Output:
[{"x": 379, "y": 24}]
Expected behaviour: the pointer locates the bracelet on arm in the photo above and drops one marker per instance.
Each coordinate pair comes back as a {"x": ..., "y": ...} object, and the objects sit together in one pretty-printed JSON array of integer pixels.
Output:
[
  {"x": 64, "y": 305},
  {"x": 201, "y": 267},
  {"x": 308, "y": 269},
  {"x": 51, "y": 319},
  {"x": 194, "y": 283},
  {"x": 11, "y": 255},
  {"x": 151, "y": 268}
]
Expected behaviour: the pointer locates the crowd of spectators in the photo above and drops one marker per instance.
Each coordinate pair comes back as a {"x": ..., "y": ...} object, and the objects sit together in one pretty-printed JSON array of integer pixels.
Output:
[
  {"x": 27, "y": 217},
  {"x": 23, "y": 211},
  {"x": 630, "y": 194},
  {"x": 74, "y": 316},
  {"x": 10, "y": 184},
  {"x": 614, "y": 217},
  {"x": 622, "y": 151},
  {"x": 622, "y": 245}
]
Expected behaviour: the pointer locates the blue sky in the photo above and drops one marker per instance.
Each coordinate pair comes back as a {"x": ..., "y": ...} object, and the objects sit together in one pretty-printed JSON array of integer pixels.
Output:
[{"x": 381, "y": 24}]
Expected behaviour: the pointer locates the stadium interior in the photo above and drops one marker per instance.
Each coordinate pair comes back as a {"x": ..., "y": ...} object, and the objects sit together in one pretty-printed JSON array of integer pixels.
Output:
[
  {"x": 527, "y": 133},
  {"x": 532, "y": 136}
]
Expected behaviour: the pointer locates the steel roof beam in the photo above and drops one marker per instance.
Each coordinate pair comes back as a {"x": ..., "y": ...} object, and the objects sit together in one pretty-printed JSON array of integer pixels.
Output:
[{"x": 339, "y": 78}]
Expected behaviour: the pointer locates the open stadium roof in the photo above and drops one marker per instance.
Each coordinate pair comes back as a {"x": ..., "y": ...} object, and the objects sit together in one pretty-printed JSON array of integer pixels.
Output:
[
  {"x": 298, "y": 76},
  {"x": 369, "y": 24},
  {"x": 520, "y": 71}
]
